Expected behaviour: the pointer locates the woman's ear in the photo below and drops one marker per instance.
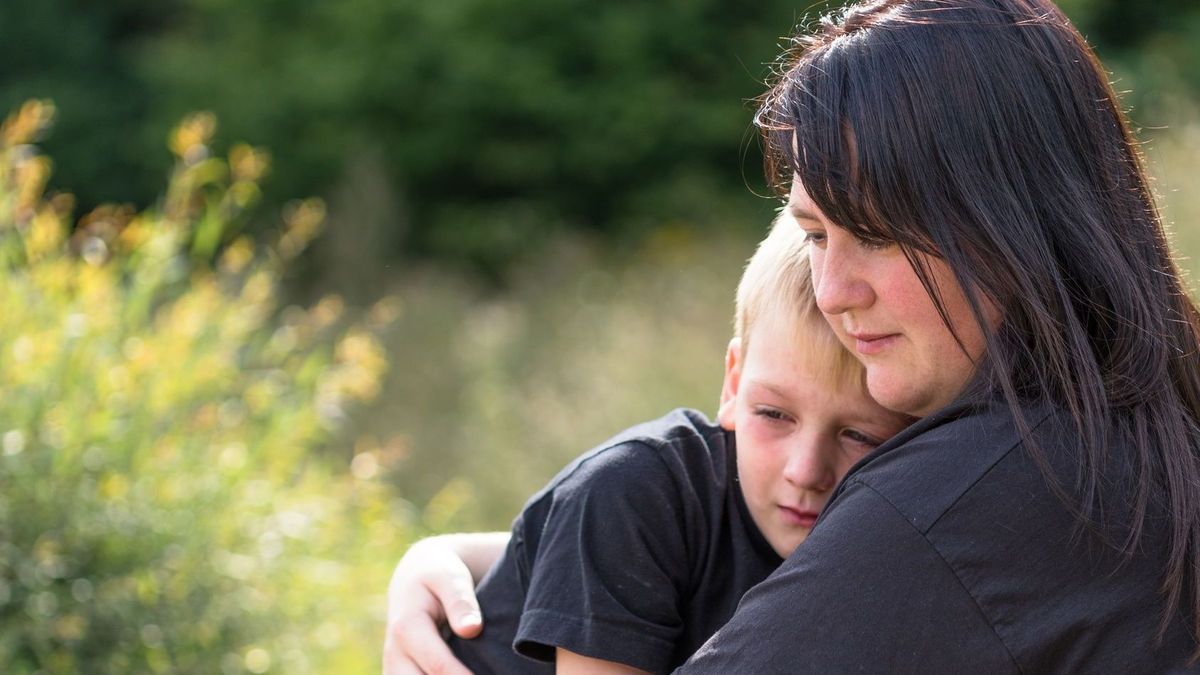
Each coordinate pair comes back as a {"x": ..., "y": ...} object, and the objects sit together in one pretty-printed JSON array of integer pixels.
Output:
[{"x": 729, "y": 389}]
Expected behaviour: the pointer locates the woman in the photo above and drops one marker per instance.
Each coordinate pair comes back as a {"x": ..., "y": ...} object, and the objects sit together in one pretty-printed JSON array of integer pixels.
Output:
[{"x": 984, "y": 240}]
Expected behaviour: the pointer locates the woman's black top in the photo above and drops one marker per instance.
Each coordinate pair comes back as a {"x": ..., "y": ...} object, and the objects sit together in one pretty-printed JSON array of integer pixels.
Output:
[{"x": 947, "y": 551}]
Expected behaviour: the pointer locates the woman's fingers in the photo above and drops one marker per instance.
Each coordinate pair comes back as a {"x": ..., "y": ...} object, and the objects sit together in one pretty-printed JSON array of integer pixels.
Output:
[
  {"x": 454, "y": 590},
  {"x": 395, "y": 664},
  {"x": 414, "y": 646},
  {"x": 430, "y": 587}
]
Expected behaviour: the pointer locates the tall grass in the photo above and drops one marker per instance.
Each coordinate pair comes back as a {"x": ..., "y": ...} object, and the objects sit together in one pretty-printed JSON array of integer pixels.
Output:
[{"x": 492, "y": 393}]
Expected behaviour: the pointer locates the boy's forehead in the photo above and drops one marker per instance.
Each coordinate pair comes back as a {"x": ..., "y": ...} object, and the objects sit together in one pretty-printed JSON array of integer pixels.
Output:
[{"x": 791, "y": 351}]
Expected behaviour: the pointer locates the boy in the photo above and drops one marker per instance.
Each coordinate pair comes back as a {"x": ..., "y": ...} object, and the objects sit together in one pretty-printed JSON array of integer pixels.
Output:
[{"x": 636, "y": 553}]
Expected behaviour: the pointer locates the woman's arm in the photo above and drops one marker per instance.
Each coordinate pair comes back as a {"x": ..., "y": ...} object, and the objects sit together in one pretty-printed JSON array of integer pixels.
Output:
[
  {"x": 434, "y": 584},
  {"x": 477, "y": 550},
  {"x": 570, "y": 663}
]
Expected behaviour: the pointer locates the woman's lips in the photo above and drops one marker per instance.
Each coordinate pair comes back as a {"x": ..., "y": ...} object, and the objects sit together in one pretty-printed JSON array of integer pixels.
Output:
[
  {"x": 868, "y": 344},
  {"x": 798, "y": 517}
]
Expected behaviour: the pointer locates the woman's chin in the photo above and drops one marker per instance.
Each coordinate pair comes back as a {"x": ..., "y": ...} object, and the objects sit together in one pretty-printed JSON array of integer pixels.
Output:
[{"x": 896, "y": 393}]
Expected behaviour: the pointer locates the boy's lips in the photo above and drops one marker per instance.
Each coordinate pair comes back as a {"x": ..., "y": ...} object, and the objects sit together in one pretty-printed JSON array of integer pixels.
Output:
[
  {"x": 873, "y": 343},
  {"x": 798, "y": 516}
]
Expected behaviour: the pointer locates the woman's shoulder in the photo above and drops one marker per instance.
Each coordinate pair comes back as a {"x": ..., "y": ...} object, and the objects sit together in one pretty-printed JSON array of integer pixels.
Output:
[
  {"x": 987, "y": 512},
  {"x": 928, "y": 468}
]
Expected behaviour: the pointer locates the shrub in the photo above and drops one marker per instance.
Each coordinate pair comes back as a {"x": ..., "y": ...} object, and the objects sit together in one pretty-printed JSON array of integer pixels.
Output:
[{"x": 172, "y": 498}]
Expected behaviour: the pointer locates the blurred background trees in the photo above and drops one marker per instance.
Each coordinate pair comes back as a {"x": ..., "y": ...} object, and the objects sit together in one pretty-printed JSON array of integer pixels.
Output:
[
  {"x": 558, "y": 194},
  {"x": 483, "y": 128}
]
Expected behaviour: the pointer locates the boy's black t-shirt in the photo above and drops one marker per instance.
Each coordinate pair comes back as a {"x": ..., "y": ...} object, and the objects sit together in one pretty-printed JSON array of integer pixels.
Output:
[{"x": 637, "y": 552}]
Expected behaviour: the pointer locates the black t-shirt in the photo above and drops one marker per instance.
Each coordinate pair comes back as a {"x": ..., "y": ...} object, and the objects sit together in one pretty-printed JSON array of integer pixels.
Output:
[
  {"x": 636, "y": 553},
  {"x": 946, "y": 551}
]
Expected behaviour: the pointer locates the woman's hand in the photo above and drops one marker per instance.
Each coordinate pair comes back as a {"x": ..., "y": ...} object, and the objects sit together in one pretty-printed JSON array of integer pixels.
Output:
[{"x": 434, "y": 584}]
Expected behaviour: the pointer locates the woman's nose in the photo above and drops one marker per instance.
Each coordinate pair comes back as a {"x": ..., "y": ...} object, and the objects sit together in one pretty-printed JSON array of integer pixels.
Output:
[{"x": 837, "y": 280}]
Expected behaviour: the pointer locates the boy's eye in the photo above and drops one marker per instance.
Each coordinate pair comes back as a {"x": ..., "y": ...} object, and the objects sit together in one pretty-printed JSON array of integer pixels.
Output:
[
  {"x": 860, "y": 438},
  {"x": 772, "y": 414}
]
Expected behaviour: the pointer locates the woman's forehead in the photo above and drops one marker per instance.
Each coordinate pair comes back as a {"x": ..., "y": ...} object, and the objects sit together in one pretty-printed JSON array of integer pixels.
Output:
[{"x": 800, "y": 206}]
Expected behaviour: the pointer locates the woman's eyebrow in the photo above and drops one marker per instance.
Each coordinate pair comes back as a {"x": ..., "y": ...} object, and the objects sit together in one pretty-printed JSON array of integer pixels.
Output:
[{"x": 803, "y": 214}]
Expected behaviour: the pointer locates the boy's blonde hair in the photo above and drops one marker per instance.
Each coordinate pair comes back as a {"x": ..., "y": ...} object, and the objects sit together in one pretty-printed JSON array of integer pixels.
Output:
[{"x": 778, "y": 283}]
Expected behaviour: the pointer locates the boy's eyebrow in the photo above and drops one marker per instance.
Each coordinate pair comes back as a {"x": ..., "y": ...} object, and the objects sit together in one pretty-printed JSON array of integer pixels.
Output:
[{"x": 772, "y": 387}]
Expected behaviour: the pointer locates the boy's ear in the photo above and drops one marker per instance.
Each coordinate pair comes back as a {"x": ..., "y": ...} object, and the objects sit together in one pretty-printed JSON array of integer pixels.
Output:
[{"x": 729, "y": 389}]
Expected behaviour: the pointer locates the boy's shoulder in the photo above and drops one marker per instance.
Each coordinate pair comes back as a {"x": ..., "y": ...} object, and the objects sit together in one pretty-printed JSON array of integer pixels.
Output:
[
  {"x": 640, "y": 549},
  {"x": 684, "y": 443},
  {"x": 685, "y": 429}
]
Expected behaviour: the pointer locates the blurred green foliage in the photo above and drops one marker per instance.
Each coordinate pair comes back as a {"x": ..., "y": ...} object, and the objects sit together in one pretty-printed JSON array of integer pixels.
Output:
[
  {"x": 165, "y": 508},
  {"x": 489, "y": 127}
]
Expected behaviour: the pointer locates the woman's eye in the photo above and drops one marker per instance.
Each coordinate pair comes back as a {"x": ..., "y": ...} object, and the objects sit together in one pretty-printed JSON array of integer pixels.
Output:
[
  {"x": 815, "y": 238},
  {"x": 875, "y": 244}
]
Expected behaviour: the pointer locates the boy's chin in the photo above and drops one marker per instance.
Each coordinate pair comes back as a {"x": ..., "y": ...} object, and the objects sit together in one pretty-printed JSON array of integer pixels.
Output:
[{"x": 785, "y": 548}]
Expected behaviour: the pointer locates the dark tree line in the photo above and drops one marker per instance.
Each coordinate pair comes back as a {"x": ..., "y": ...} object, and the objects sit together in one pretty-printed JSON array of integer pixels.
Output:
[{"x": 488, "y": 126}]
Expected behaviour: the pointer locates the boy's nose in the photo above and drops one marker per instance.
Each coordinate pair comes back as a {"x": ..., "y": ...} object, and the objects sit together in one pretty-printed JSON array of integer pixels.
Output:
[{"x": 808, "y": 466}]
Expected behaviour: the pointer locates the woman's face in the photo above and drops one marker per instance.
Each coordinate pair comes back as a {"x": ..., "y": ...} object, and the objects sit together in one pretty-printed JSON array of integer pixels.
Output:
[{"x": 878, "y": 307}]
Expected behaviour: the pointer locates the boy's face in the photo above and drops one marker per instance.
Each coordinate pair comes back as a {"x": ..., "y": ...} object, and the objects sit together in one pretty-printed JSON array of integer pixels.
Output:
[{"x": 796, "y": 435}]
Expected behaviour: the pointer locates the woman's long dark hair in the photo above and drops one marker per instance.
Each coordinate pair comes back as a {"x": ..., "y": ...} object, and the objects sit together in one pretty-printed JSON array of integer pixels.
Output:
[{"x": 985, "y": 132}]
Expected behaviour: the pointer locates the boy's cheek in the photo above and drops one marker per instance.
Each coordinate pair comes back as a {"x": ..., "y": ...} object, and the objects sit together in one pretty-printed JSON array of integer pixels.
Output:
[
  {"x": 756, "y": 452},
  {"x": 761, "y": 433}
]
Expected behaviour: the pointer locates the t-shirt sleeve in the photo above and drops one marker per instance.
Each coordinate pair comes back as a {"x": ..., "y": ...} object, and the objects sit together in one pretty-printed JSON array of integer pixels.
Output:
[
  {"x": 611, "y": 562},
  {"x": 864, "y": 593}
]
